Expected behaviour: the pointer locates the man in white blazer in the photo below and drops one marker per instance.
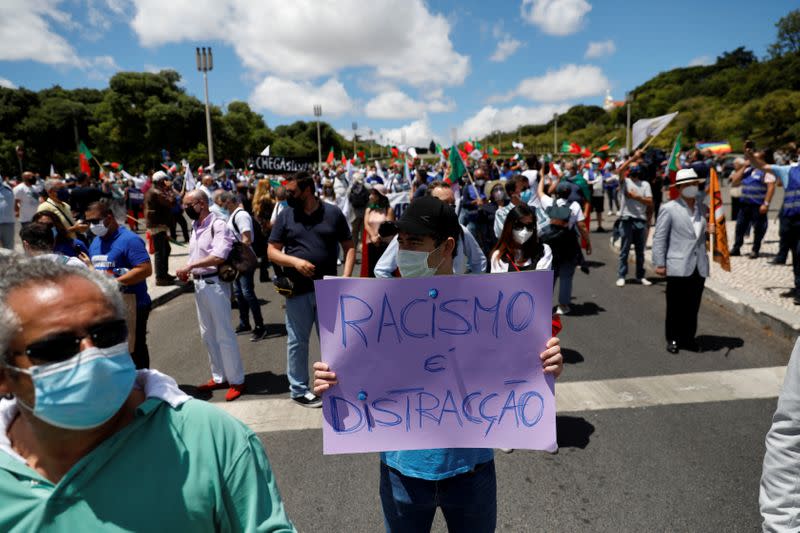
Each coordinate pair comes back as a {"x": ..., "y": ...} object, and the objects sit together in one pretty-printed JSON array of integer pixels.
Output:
[{"x": 679, "y": 253}]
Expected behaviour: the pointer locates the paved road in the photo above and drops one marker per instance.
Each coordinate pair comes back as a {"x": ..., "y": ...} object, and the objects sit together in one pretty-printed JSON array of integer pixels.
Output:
[{"x": 692, "y": 464}]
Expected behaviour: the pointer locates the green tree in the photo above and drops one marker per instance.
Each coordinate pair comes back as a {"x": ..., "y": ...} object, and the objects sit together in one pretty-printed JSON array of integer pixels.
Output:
[{"x": 788, "y": 35}]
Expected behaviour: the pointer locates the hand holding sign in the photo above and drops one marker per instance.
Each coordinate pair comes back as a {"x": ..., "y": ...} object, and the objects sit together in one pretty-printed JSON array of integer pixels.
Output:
[{"x": 440, "y": 362}]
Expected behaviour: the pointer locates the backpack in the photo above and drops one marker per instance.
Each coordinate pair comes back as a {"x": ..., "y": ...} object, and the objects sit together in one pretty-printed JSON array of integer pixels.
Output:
[{"x": 358, "y": 195}]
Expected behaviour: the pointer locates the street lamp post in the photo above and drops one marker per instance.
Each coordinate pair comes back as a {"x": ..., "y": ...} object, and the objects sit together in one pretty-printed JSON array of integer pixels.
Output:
[
  {"x": 318, "y": 113},
  {"x": 205, "y": 63},
  {"x": 355, "y": 127},
  {"x": 555, "y": 133},
  {"x": 371, "y": 142}
]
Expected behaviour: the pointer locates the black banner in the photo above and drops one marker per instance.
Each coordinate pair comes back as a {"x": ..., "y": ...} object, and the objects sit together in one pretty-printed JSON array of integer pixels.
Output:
[{"x": 276, "y": 164}]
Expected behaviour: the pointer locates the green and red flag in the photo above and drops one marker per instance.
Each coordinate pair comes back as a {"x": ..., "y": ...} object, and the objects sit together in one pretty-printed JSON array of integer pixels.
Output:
[
  {"x": 495, "y": 151},
  {"x": 602, "y": 152},
  {"x": 673, "y": 166},
  {"x": 565, "y": 145},
  {"x": 395, "y": 152},
  {"x": 468, "y": 147},
  {"x": 457, "y": 167},
  {"x": 84, "y": 155},
  {"x": 330, "y": 158}
]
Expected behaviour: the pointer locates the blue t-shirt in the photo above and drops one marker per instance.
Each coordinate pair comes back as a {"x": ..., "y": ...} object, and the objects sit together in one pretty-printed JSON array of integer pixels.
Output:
[
  {"x": 70, "y": 247},
  {"x": 440, "y": 463},
  {"x": 124, "y": 249}
]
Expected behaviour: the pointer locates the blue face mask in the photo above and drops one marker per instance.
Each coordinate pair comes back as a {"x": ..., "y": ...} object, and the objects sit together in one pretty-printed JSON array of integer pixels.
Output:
[
  {"x": 525, "y": 196},
  {"x": 84, "y": 391}
]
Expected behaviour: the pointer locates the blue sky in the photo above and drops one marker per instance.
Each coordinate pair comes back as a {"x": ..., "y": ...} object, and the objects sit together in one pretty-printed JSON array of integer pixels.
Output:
[{"x": 396, "y": 67}]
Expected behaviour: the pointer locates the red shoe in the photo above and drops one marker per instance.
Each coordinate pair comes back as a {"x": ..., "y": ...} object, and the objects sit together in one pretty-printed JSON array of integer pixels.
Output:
[
  {"x": 234, "y": 392},
  {"x": 211, "y": 385}
]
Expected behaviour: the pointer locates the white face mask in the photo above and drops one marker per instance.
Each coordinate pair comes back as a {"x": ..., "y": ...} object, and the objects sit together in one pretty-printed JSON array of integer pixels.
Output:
[
  {"x": 414, "y": 264},
  {"x": 690, "y": 191},
  {"x": 521, "y": 236},
  {"x": 98, "y": 229}
]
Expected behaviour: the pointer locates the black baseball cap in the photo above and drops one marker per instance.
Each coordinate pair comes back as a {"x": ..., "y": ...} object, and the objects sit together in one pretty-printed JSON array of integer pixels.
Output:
[{"x": 429, "y": 216}]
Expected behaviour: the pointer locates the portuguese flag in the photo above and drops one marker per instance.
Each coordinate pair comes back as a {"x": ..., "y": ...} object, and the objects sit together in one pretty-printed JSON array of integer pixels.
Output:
[
  {"x": 330, "y": 158},
  {"x": 84, "y": 155},
  {"x": 456, "y": 164},
  {"x": 673, "y": 166}
]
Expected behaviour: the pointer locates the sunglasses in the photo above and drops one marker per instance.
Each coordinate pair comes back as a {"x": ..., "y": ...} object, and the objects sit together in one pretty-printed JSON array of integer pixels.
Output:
[
  {"x": 62, "y": 346},
  {"x": 529, "y": 227}
]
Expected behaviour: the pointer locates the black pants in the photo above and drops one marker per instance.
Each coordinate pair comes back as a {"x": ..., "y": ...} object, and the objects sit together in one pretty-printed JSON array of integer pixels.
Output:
[
  {"x": 783, "y": 233},
  {"x": 749, "y": 215},
  {"x": 162, "y": 249},
  {"x": 793, "y": 241},
  {"x": 178, "y": 220},
  {"x": 141, "y": 355},
  {"x": 683, "y": 303}
]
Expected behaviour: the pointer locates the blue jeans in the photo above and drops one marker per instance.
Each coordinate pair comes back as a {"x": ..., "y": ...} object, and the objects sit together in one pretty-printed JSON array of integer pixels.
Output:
[
  {"x": 301, "y": 314},
  {"x": 246, "y": 299},
  {"x": 634, "y": 231},
  {"x": 468, "y": 501},
  {"x": 564, "y": 272}
]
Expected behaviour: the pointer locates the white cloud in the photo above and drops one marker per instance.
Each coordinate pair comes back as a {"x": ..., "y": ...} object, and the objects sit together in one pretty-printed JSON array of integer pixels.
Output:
[
  {"x": 505, "y": 48},
  {"x": 417, "y": 133},
  {"x": 701, "y": 61},
  {"x": 100, "y": 67},
  {"x": 400, "y": 39},
  {"x": 286, "y": 97},
  {"x": 491, "y": 118},
  {"x": 556, "y": 17},
  {"x": 567, "y": 83},
  {"x": 600, "y": 49},
  {"x": 8, "y": 84},
  {"x": 26, "y": 33},
  {"x": 397, "y": 104},
  {"x": 155, "y": 69}
]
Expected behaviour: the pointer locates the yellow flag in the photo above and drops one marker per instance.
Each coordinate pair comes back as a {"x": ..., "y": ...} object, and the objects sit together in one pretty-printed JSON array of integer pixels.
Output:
[{"x": 717, "y": 217}]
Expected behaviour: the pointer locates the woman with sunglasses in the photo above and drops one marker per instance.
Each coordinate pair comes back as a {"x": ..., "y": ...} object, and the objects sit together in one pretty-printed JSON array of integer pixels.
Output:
[{"x": 518, "y": 248}]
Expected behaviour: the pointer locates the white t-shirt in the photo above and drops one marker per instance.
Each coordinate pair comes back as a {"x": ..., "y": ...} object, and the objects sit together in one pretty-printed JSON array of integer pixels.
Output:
[
  {"x": 244, "y": 222},
  {"x": 575, "y": 212},
  {"x": 28, "y": 197},
  {"x": 545, "y": 263}
]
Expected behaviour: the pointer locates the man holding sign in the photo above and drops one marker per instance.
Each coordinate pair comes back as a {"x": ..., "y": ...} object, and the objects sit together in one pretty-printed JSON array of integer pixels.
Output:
[{"x": 414, "y": 482}]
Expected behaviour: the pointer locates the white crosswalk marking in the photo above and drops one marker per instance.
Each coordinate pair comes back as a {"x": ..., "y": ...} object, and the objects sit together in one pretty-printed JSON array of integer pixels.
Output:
[{"x": 269, "y": 415}]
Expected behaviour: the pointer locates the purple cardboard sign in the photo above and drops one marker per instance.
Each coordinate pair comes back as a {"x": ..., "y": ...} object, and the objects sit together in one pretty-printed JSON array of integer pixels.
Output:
[{"x": 439, "y": 362}]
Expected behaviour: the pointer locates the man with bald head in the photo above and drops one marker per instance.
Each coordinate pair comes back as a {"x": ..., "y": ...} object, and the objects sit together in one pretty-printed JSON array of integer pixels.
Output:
[
  {"x": 209, "y": 246},
  {"x": 88, "y": 443}
]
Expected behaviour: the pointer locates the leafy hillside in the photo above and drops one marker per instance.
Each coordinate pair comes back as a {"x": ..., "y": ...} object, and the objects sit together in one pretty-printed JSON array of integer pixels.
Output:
[{"x": 736, "y": 98}]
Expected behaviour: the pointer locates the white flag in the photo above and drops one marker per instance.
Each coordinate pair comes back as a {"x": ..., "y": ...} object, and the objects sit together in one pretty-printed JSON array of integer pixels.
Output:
[
  {"x": 265, "y": 151},
  {"x": 52, "y": 170},
  {"x": 189, "y": 182},
  {"x": 650, "y": 127},
  {"x": 517, "y": 146},
  {"x": 476, "y": 154},
  {"x": 412, "y": 152}
]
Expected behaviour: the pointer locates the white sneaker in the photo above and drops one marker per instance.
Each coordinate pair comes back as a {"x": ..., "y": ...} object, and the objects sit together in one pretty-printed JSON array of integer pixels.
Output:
[
  {"x": 621, "y": 282},
  {"x": 506, "y": 450},
  {"x": 609, "y": 213},
  {"x": 646, "y": 282},
  {"x": 618, "y": 213},
  {"x": 562, "y": 310}
]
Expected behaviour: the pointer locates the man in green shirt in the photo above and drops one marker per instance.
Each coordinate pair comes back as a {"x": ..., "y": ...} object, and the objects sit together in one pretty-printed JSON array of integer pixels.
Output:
[{"x": 87, "y": 443}]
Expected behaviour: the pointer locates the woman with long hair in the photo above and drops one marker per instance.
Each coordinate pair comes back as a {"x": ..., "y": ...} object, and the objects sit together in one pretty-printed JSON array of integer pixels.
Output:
[
  {"x": 518, "y": 247},
  {"x": 378, "y": 211}
]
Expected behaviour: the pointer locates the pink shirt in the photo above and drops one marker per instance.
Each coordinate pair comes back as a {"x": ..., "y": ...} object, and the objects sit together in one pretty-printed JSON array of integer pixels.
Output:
[{"x": 201, "y": 243}]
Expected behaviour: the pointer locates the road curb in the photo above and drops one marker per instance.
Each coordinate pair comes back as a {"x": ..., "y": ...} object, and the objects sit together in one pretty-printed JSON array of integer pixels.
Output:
[{"x": 768, "y": 315}]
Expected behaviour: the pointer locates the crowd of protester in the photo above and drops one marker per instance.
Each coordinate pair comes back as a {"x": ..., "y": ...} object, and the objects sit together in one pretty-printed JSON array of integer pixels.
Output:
[{"x": 407, "y": 218}]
